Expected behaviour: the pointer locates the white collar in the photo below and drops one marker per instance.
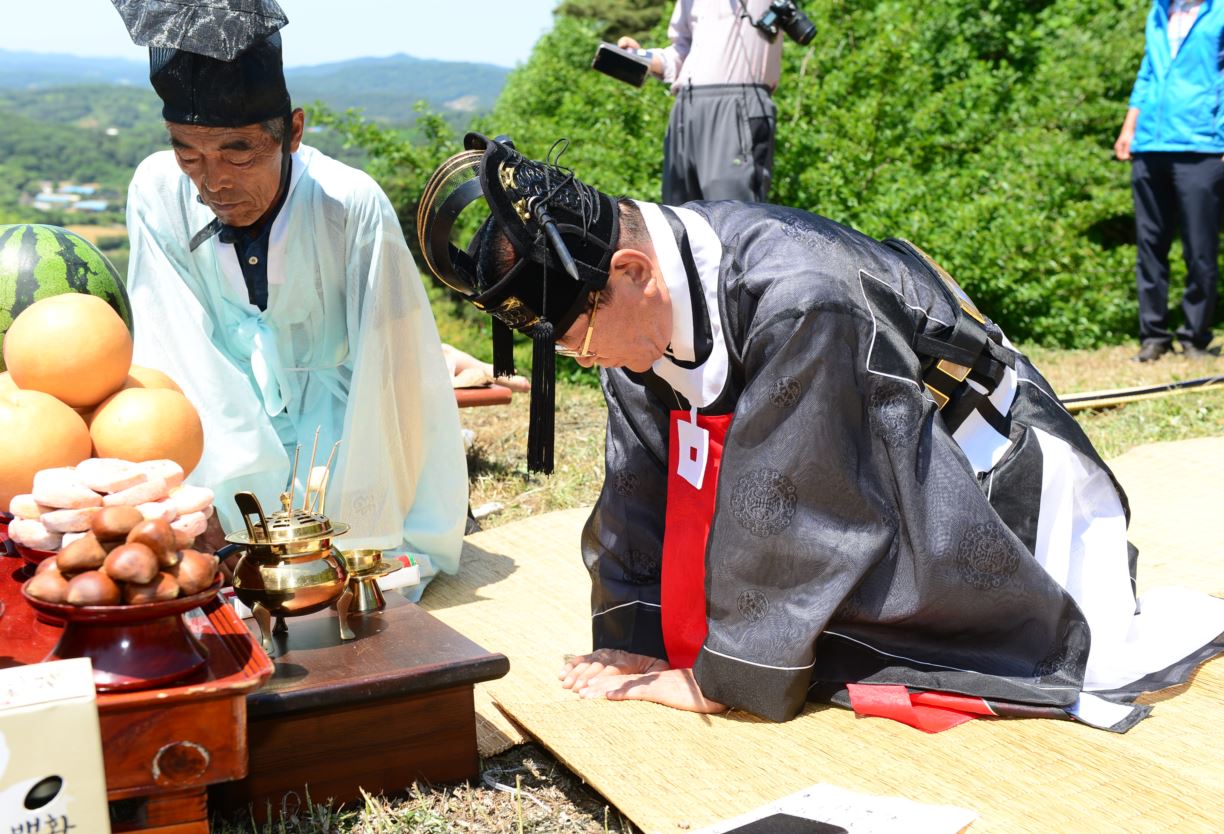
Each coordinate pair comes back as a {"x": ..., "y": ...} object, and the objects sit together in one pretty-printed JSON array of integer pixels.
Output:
[
  {"x": 703, "y": 384},
  {"x": 228, "y": 257}
]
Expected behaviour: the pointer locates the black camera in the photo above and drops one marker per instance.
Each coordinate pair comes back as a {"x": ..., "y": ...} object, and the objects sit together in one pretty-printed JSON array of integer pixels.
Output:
[{"x": 785, "y": 14}]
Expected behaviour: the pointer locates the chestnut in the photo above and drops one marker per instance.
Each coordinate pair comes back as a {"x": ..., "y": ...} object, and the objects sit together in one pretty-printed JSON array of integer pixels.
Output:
[
  {"x": 46, "y": 565},
  {"x": 195, "y": 572},
  {"x": 163, "y": 587},
  {"x": 49, "y": 586},
  {"x": 155, "y": 533},
  {"x": 92, "y": 588},
  {"x": 133, "y": 562},
  {"x": 112, "y": 524},
  {"x": 86, "y": 553}
]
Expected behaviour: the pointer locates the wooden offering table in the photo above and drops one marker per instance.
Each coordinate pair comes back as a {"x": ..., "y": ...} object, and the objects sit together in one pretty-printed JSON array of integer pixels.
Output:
[
  {"x": 377, "y": 713},
  {"x": 162, "y": 747}
]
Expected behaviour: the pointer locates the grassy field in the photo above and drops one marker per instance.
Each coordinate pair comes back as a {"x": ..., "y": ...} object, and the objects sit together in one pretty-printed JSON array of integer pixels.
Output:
[
  {"x": 525, "y": 789},
  {"x": 93, "y": 234},
  {"x": 1116, "y": 430}
]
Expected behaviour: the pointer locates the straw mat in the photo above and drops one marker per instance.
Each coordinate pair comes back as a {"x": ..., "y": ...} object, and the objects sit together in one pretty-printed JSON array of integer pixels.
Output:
[{"x": 523, "y": 591}]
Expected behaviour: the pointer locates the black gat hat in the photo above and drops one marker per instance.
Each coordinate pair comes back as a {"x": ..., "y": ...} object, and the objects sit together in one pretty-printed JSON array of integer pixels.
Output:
[
  {"x": 562, "y": 232},
  {"x": 213, "y": 63}
]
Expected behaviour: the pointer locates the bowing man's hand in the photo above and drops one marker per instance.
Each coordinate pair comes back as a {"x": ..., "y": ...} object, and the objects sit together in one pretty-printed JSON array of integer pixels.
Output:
[
  {"x": 621, "y": 676},
  {"x": 580, "y": 670}
]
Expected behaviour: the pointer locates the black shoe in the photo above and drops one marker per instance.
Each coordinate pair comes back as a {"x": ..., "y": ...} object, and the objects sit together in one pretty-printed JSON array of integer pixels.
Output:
[
  {"x": 1189, "y": 351},
  {"x": 1152, "y": 350}
]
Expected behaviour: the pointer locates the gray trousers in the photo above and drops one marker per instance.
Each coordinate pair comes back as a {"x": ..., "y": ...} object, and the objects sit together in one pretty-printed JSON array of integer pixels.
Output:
[{"x": 720, "y": 144}]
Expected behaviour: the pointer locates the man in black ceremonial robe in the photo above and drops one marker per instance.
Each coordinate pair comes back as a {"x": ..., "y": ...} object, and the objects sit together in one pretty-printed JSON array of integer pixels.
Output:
[{"x": 826, "y": 470}]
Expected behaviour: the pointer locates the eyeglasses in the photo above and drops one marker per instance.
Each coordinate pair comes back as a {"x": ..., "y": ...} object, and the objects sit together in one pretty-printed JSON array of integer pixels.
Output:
[{"x": 584, "y": 352}]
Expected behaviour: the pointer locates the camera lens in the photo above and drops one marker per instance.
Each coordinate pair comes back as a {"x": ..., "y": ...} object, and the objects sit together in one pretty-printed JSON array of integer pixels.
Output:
[{"x": 800, "y": 28}]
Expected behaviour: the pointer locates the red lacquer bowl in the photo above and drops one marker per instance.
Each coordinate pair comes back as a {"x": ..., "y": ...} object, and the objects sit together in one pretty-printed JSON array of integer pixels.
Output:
[
  {"x": 131, "y": 646},
  {"x": 7, "y": 546},
  {"x": 31, "y": 556}
]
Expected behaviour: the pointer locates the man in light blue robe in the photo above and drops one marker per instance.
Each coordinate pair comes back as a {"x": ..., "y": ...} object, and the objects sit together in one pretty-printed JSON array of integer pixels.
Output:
[{"x": 274, "y": 285}]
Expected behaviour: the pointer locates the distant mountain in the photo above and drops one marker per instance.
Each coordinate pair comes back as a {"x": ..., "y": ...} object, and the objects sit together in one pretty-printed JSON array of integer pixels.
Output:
[
  {"x": 386, "y": 89},
  {"x": 86, "y": 105},
  {"x": 23, "y": 70}
]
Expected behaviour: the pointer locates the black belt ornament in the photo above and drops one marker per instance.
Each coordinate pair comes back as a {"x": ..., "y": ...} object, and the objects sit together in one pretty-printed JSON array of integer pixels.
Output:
[{"x": 965, "y": 352}]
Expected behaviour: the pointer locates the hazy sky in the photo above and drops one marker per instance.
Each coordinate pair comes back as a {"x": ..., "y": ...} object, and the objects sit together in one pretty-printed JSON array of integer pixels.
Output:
[{"x": 319, "y": 31}]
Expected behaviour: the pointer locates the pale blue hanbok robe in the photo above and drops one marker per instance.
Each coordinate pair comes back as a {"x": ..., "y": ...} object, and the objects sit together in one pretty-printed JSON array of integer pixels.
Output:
[{"x": 348, "y": 343}]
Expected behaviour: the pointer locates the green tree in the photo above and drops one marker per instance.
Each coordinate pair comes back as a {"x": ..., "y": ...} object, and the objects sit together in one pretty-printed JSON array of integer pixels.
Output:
[
  {"x": 636, "y": 18},
  {"x": 615, "y": 131},
  {"x": 981, "y": 131}
]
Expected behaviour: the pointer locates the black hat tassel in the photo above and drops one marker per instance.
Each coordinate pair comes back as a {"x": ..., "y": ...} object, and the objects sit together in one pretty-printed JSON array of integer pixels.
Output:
[
  {"x": 503, "y": 349},
  {"x": 543, "y": 399}
]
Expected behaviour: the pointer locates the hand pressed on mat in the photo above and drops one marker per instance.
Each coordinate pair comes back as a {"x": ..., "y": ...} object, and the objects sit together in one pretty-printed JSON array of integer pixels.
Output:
[{"x": 622, "y": 676}]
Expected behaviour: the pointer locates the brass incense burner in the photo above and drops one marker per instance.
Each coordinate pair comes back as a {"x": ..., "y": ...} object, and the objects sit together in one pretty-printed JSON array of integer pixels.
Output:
[{"x": 289, "y": 565}]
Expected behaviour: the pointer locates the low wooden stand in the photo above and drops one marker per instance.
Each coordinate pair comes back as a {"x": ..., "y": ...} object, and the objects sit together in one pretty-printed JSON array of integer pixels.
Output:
[
  {"x": 486, "y": 395},
  {"x": 376, "y": 713}
]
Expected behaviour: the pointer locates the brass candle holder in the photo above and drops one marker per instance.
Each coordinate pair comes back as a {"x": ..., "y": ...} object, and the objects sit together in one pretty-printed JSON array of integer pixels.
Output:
[{"x": 365, "y": 568}]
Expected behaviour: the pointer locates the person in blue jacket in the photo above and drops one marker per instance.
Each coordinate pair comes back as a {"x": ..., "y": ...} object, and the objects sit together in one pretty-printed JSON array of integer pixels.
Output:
[{"x": 1174, "y": 137}]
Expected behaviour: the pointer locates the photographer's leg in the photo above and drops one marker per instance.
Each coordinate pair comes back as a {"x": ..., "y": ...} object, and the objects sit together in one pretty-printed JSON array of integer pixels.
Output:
[
  {"x": 677, "y": 182},
  {"x": 762, "y": 128},
  {"x": 731, "y": 139}
]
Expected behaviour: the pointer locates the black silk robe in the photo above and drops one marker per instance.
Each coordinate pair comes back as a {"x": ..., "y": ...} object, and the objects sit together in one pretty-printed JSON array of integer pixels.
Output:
[{"x": 852, "y": 540}]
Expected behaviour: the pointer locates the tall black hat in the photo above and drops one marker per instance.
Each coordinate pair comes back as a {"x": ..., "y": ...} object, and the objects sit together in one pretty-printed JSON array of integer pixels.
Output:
[
  {"x": 563, "y": 233},
  {"x": 214, "y": 63}
]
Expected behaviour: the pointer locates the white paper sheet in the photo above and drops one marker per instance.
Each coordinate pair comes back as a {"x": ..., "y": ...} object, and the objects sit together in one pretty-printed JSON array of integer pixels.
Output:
[{"x": 858, "y": 813}]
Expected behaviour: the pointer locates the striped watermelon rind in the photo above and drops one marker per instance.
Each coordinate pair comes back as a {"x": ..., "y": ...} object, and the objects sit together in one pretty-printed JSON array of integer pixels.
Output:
[{"x": 39, "y": 261}]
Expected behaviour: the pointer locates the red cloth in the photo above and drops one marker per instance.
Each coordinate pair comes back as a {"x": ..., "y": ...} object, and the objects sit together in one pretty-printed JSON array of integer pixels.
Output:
[
  {"x": 689, "y": 514},
  {"x": 931, "y": 712}
]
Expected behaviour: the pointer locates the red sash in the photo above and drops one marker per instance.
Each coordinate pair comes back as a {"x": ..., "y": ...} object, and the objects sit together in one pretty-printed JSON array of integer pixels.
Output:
[
  {"x": 931, "y": 712},
  {"x": 690, "y": 511}
]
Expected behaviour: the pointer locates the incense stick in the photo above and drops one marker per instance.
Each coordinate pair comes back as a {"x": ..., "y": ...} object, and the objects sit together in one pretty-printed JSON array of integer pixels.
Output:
[
  {"x": 293, "y": 477},
  {"x": 322, "y": 496},
  {"x": 307, "y": 500}
]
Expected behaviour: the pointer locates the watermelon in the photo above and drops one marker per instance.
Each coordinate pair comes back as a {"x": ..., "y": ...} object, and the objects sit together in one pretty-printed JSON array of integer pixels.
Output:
[{"x": 39, "y": 261}]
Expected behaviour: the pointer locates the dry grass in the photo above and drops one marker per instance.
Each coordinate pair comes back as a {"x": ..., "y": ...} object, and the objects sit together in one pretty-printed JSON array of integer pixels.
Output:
[
  {"x": 497, "y": 470},
  {"x": 522, "y": 791},
  {"x": 1115, "y": 430},
  {"x": 1075, "y": 371}
]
